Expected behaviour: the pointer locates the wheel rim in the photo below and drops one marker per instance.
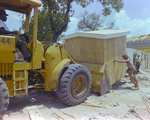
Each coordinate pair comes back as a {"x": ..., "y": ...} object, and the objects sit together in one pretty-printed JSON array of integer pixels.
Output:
[{"x": 79, "y": 86}]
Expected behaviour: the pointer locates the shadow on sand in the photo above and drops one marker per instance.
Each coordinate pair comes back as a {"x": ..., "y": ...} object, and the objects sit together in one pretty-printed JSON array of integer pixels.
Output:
[
  {"x": 48, "y": 99},
  {"x": 119, "y": 86}
]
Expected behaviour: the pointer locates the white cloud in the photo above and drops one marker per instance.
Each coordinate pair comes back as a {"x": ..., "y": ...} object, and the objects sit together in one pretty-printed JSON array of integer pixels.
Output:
[{"x": 136, "y": 26}]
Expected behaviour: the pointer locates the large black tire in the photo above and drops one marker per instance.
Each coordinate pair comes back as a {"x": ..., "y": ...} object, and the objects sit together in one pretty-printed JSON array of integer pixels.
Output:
[
  {"x": 74, "y": 84},
  {"x": 4, "y": 98}
]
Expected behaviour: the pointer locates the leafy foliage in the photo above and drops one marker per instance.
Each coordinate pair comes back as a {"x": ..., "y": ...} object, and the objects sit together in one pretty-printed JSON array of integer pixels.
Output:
[
  {"x": 90, "y": 22},
  {"x": 108, "y": 4},
  {"x": 110, "y": 25},
  {"x": 44, "y": 28}
]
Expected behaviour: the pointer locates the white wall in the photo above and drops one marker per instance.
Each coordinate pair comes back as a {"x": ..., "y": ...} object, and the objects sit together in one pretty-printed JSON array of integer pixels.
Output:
[{"x": 145, "y": 64}]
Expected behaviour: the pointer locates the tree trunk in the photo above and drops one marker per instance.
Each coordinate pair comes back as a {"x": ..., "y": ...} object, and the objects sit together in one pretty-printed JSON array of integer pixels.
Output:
[{"x": 55, "y": 37}]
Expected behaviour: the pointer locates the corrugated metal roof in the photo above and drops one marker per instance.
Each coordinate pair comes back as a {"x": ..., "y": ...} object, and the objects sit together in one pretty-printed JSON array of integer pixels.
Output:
[
  {"x": 139, "y": 38},
  {"x": 141, "y": 42}
]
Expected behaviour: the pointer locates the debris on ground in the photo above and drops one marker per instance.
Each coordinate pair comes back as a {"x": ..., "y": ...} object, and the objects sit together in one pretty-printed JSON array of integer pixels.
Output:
[{"x": 120, "y": 103}]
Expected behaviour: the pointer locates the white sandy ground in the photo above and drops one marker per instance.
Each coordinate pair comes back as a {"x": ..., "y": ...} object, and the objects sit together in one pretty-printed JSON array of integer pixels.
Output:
[{"x": 120, "y": 103}]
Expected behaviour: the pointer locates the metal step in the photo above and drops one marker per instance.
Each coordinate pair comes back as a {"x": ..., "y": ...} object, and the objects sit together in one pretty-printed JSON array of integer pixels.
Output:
[
  {"x": 20, "y": 89},
  {"x": 20, "y": 79},
  {"x": 22, "y": 82}
]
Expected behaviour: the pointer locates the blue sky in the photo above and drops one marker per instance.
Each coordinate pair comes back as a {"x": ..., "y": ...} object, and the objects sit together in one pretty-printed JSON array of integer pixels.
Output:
[{"x": 133, "y": 17}]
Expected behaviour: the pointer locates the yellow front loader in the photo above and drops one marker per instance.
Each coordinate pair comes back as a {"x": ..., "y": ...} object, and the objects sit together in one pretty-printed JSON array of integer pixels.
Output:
[{"x": 50, "y": 69}]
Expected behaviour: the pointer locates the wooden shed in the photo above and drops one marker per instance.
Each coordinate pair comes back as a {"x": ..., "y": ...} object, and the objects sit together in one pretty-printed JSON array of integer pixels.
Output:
[{"x": 99, "y": 48}]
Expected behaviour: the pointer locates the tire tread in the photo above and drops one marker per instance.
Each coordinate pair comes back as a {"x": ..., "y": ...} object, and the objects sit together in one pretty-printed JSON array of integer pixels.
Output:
[{"x": 4, "y": 98}]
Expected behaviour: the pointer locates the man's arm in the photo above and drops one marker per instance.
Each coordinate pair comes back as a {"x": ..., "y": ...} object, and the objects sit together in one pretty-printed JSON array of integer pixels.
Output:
[
  {"x": 120, "y": 61},
  {"x": 5, "y": 32}
]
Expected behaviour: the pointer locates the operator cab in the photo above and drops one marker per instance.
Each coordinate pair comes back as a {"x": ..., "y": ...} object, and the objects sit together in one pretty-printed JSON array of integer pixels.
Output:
[{"x": 35, "y": 47}]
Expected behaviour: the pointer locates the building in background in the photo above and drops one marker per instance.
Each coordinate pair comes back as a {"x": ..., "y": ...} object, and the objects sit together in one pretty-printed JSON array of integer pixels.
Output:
[{"x": 139, "y": 45}]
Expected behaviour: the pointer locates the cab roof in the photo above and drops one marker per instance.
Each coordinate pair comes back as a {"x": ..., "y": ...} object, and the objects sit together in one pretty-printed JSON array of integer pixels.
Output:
[{"x": 21, "y": 6}]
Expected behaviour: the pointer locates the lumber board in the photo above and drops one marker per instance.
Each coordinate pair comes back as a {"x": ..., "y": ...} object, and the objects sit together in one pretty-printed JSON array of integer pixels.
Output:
[{"x": 34, "y": 113}]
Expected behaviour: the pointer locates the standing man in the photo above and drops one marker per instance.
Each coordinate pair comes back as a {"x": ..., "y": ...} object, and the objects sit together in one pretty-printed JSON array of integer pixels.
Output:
[
  {"x": 131, "y": 70},
  {"x": 5, "y": 31},
  {"x": 138, "y": 61}
]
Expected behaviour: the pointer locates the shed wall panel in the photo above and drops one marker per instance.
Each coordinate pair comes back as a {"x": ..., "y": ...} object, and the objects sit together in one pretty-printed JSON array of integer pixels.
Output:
[
  {"x": 86, "y": 49},
  {"x": 92, "y": 50},
  {"x": 73, "y": 47},
  {"x": 114, "y": 48}
]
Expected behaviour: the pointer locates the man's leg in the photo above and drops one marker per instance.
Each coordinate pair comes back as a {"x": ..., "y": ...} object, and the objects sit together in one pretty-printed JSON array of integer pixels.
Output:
[
  {"x": 136, "y": 81},
  {"x": 132, "y": 80},
  {"x": 23, "y": 49},
  {"x": 137, "y": 67}
]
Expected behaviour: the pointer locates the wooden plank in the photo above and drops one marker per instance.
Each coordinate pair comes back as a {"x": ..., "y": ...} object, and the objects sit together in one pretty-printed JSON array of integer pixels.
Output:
[
  {"x": 34, "y": 113},
  {"x": 73, "y": 47},
  {"x": 91, "y": 50},
  {"x": 106, "y": 57},
  {"x": 113, "y": 54}
]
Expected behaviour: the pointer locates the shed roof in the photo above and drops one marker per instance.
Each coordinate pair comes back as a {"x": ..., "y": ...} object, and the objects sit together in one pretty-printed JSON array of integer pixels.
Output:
[
  {"x": 100, "y": 34},
  {"x": 139, "y": 38},
  {"x": 141, "y": 42},
  {"x": 21, "y": 6}
]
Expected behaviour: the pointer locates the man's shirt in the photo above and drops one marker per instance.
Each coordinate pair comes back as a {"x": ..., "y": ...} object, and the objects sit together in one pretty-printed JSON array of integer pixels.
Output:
[{"x": 138, "y": 59}]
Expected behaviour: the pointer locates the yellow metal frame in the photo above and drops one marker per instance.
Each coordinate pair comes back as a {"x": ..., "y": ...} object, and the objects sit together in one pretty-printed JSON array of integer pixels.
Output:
[
  {"x": 8, "y": 68},
  {"x": 54, "y": 79},
  {"x": 79, "y": 86},
  {"x": 99, "y": 73},
  {"x": 7, "y": 48},
  {"x": 56, "y": 59}
]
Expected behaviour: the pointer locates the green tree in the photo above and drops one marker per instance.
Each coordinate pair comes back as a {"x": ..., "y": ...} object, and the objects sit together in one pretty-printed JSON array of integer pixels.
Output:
[
  {"x": 110, "y": 25},
  {"x": 60, "y": 11},
  {"x": 44, "y": 28},
  {"x": 90, "y": 22}
]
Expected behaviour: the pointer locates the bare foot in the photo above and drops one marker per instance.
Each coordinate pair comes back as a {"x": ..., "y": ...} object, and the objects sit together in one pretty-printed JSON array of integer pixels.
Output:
[{"x": 135, "y": 88}]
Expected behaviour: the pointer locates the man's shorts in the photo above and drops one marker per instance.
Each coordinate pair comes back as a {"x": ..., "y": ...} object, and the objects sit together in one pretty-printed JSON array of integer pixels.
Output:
[{"x": 131, "y": 73}]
